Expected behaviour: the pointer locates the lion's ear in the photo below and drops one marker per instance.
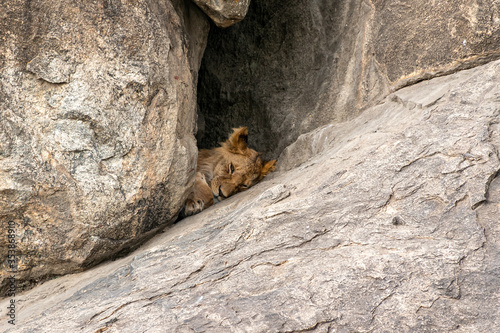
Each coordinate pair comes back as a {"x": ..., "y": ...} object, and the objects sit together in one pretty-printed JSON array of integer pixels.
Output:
[
  {"x": 237, "y": 142},
  {"x": 267, "y": 168}
]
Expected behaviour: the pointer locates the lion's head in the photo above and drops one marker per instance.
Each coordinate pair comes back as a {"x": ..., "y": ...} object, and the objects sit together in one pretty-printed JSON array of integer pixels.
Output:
[{"x": 236, "y": 167}]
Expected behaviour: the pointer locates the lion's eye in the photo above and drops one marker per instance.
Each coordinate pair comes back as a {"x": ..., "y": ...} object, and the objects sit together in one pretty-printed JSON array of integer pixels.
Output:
[
  {"x": 231, "y": 168},
  {"x": 244, "y": 186}
]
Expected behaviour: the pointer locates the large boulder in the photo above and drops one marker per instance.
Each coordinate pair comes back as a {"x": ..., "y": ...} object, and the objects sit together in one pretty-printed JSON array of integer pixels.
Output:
[
  {"x": 290, "y": 68},
  {"x": 97, "y": 109},
  {"x": 386, "y": 223}
]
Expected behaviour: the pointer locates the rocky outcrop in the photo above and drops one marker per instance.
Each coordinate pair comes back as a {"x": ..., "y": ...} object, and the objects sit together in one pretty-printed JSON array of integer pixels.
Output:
[
  {"x": 224, "y": 13},
  {"x": 385, "y": 223},
  {"x": 97, "y": 107},
  {"x": 288, "y": 69}
]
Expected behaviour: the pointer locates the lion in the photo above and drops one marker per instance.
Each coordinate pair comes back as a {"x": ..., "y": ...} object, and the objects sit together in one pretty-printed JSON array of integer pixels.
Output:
[{"x": 226, "y": 170}]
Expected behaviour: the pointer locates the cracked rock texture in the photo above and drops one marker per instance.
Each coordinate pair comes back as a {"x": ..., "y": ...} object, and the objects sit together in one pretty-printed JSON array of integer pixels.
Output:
[
  {"x": 287, "y": 69},
  {"x": 97, "y": 121},
  {"x": 385, "y": 223}
]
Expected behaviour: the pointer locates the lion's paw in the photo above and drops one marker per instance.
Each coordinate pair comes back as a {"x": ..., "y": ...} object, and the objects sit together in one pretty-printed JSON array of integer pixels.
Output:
[{"x": 193, "y": 207}]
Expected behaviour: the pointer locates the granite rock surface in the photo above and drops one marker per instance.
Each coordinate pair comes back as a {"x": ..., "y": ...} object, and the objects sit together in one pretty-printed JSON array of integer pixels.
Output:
[
  {"x": 97, "y": 123},
  {"x": 288, "y": 69},
  {"x": 385, "y": 223}
]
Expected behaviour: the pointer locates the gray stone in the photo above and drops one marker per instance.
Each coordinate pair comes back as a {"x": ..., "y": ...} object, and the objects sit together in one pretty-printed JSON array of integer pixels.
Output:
[
  {"x": 50, "y": 68},
  {"x": 385, "y": 223},
  {"x": 224, "y": 13},
  {"x": 97, "y": 122},
  {"x": 289, "y": 68}
]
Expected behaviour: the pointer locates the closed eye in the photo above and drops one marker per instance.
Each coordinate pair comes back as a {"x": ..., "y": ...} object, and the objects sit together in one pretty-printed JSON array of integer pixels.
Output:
[{"x": 231, "y": 168}]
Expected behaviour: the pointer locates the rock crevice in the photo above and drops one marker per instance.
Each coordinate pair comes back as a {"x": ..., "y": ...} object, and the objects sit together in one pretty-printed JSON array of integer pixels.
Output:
[
  {"x": 287, "y": 70},
  {"x": 344, "y": 238}
]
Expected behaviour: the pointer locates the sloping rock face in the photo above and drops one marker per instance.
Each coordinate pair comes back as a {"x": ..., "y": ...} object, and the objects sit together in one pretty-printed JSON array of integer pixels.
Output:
[
  {"x": 288, "y": 69},
  {"x": 391, "y": 226},
  {"x": 97, "y": 107}
]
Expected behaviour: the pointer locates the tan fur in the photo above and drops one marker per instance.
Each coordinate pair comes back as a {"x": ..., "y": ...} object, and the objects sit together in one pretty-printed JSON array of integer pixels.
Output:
[{"x": 226, "y": 170}]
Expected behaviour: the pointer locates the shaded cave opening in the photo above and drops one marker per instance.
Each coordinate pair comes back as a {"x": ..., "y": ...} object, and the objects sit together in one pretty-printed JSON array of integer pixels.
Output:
[
  {"x": 225, "y": 98},
  {"x": 278, "y": 72}
]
